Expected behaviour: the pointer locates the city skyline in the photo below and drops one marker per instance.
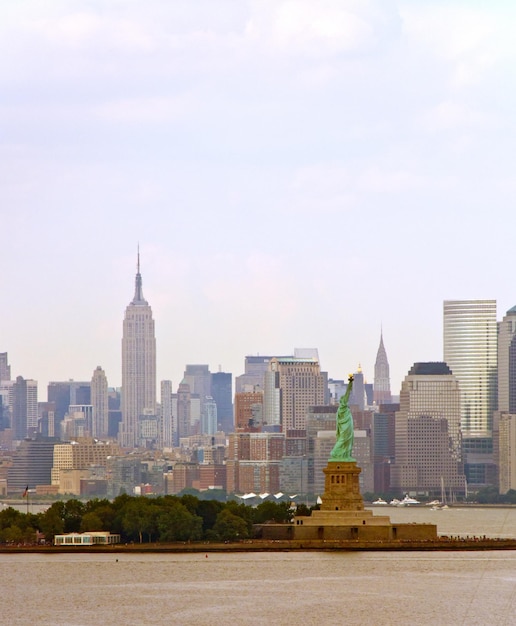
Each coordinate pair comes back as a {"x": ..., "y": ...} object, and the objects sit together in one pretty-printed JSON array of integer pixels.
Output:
[
  {"x": 138, "y": 299},
  {"x": 297, "y": 174}
]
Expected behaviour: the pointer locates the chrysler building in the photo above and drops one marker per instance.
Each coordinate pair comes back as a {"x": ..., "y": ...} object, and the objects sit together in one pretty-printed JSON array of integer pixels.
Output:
[
  {"x": 382, "y": 383},
  {"x": 138, "y": 365}
]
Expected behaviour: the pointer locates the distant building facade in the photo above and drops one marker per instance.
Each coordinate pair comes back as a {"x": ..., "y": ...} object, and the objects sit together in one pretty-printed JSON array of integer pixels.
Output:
[
  {"x": 248, "y": 410},
  {"x": 470, "y": 350},
  {"x": 428, "y": 436},
  {"x": 100, "y": 404},
  {"x": 504, "y": 427},
  {"x": 222, "y": 394},
  {"x": 138, "y": 364},
  {"x": 5, "y": 368},
  {"x": 254, "y": 462},
  {"x": 32, "y": 464},
  {"x": 167, "y": 414},
  {"x": 291, "y": 386},
  {"x": 209, "y": 417},
  {"x": 66, "y": 393},
  {"x": 24, "y": 410},
  {"x": 382, "y": 381},
  {"x": 358, "y": 395}
]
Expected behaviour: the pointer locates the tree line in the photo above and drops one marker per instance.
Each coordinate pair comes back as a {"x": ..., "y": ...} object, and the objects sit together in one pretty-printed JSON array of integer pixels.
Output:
[{"x": 141, "y": 519}]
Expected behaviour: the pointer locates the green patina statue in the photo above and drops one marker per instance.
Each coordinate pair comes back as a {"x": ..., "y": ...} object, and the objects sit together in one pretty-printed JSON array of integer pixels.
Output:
[{"x": 345, "y": 430}]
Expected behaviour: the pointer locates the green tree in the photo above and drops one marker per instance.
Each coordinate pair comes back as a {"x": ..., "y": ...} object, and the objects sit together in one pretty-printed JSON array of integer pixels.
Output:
[
  {"x": 107, "y": 514},
  {"x": 208, "y": 511},
  {"x": 12, "y": 534},
  {"x": 136, "y": 519},
  {"x": 230, "y": 527},
  {"x": 303, "y": 510},
  {"x": 278, "y": 512},
  {"x": 70, "y": 512},
  {"x": 10, "y": 517},
  {"x": 91, "y": 521},
  {"x": 488, "y": 495},
  {"x": 245, "y": 512},
  {"x": 190, "y": 502},
  {"x": 176, "y": 523},
  {"x": 50, "y": 523}
]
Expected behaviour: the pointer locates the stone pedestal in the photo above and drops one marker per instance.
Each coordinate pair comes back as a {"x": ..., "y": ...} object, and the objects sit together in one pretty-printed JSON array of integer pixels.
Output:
[
  {"x": 341, "y": 487},
  {"x": 342, "y": 516}
]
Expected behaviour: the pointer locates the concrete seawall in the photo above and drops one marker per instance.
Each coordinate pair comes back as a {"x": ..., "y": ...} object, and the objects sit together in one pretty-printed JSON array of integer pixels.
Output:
[{"x": 275, "y": 545}]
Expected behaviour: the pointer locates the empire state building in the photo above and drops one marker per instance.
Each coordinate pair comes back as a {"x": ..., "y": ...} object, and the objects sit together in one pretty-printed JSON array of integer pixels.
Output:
[{"x": 138, "y": 365}]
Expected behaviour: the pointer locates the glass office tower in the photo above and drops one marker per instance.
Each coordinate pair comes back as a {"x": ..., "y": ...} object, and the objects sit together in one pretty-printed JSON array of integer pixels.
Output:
[{"x": 470, "y": 350}]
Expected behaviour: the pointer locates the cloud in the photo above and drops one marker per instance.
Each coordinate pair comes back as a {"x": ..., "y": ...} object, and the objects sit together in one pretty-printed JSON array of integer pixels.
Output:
[
  {"x": 154, "y": 110},
  {"x": 453, "y": 115},
  {"x": 317, "y": 29},
  {"x": 347, "y": 186},
  {"x": 471, "y": 39}
]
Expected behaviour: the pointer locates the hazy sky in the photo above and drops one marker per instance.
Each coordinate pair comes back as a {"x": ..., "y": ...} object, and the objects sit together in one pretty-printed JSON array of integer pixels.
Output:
[{"x": 297, "y": 174}]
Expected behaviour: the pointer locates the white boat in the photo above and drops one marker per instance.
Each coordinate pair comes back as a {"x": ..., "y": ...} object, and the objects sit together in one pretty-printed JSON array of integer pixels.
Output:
[
  {"x": 408, "y": 501},
  {"x": 380, "y": 501},
  {"x": 439, "y": 507},
  {"x": 394, "y": 502}
]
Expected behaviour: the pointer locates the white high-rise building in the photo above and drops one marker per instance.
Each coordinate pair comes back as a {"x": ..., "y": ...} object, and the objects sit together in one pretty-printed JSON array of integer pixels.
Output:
[
  {"x": 99, "y": 401},
  {"x": 138, "y": 365},
  {"x": 470, "y": 350}
]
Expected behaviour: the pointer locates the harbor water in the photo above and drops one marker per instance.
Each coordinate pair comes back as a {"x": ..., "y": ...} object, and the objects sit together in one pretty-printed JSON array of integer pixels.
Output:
[{"x": 265, "y": 588}]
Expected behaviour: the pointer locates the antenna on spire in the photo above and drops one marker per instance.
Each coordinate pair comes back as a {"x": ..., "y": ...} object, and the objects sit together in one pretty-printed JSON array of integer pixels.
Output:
[{"x": 138, "y": 293}]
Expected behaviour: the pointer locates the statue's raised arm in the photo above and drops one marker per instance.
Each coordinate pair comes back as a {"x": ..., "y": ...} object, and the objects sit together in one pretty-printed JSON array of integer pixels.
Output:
[{"x": 345, "y": 429}]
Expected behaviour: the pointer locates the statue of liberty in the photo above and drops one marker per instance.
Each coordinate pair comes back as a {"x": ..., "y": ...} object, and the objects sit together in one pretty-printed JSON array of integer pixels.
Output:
[{"x": 345, "y": 429}]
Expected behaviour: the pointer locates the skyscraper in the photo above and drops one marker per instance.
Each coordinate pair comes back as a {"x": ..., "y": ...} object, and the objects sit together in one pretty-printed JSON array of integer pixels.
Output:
[
  {"x": 222, "y": 393},
  {"x": 382, "y": 383},
  {"x": 470, "y": 350},
  {"x": 209, "y": 417},
  {"x": 198, "y": 377},
  {"x": 24, "y": 408},
  {"x": 504, "y": 426},
  {"x": 428, "y": 438},
  {"x": 184, "y": 408},
  {"x": 65, "y": 393},
  {"x": 358, "y": 396},
  {"x": 507, "y": 362},
  {"x": 248, "y": 410},
  {"x": 167, "y": 418},
  {"x": 138, "y": 364},
  {"x": 255, "y": 369},
  {"x": 99, "y": 401},
  {"x": 292, "y": 385},
  {"x": 5, "y": 368}
]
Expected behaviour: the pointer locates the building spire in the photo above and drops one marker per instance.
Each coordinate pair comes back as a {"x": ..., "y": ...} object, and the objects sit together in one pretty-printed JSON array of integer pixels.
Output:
[
  {"x": 382, "y": 383},
  {"x": 138, "y": 291}
]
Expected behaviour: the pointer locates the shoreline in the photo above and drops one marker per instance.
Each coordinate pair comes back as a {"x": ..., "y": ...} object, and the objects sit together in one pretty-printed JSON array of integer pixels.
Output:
[
  {"x": 260, "y": 545},
  {"x": 422, "y": 505}
]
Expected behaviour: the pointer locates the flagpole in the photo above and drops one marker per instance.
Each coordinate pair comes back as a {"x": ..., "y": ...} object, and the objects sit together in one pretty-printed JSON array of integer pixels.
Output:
[{"x": 26, "y": 495}]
